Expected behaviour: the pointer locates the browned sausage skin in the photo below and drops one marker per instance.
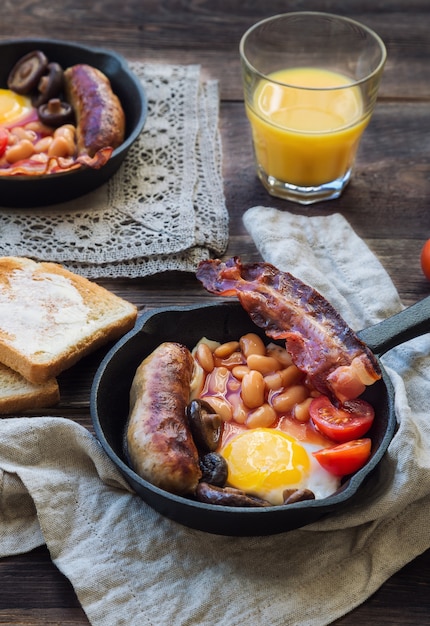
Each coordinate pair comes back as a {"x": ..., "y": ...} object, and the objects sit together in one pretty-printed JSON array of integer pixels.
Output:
[
  {"x": 100, "y": 118},
  {"x": 158, "y": 439}
]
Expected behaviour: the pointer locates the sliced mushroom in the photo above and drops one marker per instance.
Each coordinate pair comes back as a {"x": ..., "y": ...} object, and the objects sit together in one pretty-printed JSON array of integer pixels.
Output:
[
  {"x": 50, "y": 84},
  {"x": 206, "y": 426},
  {"x": 297, "y": 495},
  {"x": 55, "y": 113},
  {"x": 227, "y": 496},
  {"x": 214, "y": 469},
  {"x": 27, "y": 71}
]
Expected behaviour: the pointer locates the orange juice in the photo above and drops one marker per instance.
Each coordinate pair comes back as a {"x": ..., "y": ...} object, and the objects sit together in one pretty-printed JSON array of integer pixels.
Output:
[{"x": 306, "y": 136}]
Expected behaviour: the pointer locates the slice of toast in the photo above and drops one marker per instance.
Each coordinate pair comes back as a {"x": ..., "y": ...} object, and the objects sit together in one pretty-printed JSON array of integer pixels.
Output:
[
  {"x": 50, "y": 317},
  {"x": 17, "y": 394}
]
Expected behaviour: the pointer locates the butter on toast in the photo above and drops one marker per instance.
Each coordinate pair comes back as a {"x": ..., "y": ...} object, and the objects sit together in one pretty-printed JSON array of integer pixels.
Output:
[
  {"x": 50, "y": 317},
  {"x": 18, "y": 394}
]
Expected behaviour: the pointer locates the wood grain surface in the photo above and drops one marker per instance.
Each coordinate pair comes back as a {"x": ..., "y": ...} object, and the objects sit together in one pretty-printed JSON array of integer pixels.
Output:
[{"x": 387, "y": 203}]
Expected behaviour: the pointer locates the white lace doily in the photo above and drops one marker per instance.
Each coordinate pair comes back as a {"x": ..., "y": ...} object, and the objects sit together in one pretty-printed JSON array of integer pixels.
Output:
[{"x": 163, "y": 210}]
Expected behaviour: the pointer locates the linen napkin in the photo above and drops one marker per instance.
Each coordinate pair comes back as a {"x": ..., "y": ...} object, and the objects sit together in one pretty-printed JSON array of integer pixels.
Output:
[
  {"x": 131, "y": 566},
  {"x": 163, "y": 210}
]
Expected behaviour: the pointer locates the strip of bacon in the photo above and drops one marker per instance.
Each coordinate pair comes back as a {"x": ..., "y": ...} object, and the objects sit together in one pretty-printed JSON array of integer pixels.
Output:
[
  {"x": 37, "y": 166},
  {"x": 320, "y": 342}
]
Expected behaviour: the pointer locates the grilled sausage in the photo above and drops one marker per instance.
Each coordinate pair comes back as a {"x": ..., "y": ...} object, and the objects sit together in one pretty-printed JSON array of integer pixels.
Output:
[
  {"x": 158, "y": 439},
  {"x": 100, "y": 118}
]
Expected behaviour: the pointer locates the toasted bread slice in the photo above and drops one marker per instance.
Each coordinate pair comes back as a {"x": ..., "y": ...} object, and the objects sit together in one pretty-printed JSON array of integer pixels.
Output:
[
  {"x": 50, "y": 317},
  {"x": 17, "y": 394}
]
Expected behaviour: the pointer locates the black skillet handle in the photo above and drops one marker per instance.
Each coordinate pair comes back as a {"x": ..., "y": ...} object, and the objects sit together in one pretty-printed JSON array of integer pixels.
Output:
[{"x": 408, "y": 324}]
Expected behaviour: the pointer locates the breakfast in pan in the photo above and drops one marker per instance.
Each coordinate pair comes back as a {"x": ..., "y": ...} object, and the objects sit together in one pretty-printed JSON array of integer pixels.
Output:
[
  {"x": 56, "y": 119},
  {"x": 256, "y": 414},
  {"x": 69, "y": 114}
]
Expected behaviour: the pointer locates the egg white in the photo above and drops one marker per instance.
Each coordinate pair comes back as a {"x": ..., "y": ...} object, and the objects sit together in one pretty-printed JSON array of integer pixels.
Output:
[{"x": 320, "y": 481}]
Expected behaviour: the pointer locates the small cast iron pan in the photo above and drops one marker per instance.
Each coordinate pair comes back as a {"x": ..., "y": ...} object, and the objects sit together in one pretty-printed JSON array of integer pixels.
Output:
[
  {"x": 223, "y": 322},
  {"x": 33, "y": 191}
]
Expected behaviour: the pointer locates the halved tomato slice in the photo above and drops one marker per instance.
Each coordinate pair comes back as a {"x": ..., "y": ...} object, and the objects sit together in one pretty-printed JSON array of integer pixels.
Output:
[
  {"x": 346, "y": 458},
  {"x": 351, "y": 420}
]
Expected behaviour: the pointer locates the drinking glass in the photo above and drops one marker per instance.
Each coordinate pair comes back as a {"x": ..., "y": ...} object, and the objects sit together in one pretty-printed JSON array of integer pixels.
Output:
[{"x": 310, "y": 85}]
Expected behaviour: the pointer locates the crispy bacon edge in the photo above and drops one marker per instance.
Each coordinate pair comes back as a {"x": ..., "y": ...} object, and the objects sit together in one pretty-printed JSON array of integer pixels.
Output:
[
  {"x": 319, "y": 340},
  {"x": 55, "y": 165}
]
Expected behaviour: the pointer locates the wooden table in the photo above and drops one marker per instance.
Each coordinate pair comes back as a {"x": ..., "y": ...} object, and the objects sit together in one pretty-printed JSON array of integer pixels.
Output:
[{"x": 387, "y": 203}]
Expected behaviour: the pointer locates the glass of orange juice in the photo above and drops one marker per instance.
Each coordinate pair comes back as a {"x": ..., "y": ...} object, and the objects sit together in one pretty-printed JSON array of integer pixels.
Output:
[{"x": 310, "y": 83}]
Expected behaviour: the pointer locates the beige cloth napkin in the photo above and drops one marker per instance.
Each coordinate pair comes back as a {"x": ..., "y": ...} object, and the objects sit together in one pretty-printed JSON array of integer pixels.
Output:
[
  {"x": 130, "y": 566},
  {"x": 163, "y": 210}
]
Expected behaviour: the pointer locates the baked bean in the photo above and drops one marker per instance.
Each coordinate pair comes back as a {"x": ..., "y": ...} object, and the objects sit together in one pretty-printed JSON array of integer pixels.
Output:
[
  {"x": 40, "y": 157},
  {"x": 197, "y": 381},
  {"x": 263, "y": 364},
  {"x": 234, "y": 384},
  {"x": 251, "y": 343},
  {"x": 239, "y": 371},
  {"x": 205, "y": 357},
  {"x": 67, "y": 130},
  {"x": 240, "y": 415},
  {"x": 262, "y": 417},
  {"x": 226, "y": 349},
  {"x": 233, "y": 360},
  {"x": 38, "y": 128},
  {"x": 280, "y": 354},
  {"x": 291, "y": 375},
  {"x": 220, "y": 406},
  {"x": 220, "y": 377},
  {"x": 43, "y": 144},
  {"x": 273, "y": 381},
  {"x": 22, "y": 150},
  {"x": 59, "y": 147},
  {"x": 301, "y": 410},
  {"x": 285, "y": 401},
  {"x": 253, "y": 389},
  {"x": 22, "y": 133},
  {"x": 240, "y": 412},
  {"x": 68, "y": 133}
]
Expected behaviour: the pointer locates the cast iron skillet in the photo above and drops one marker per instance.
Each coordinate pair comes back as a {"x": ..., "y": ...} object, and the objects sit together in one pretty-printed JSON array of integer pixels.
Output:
[
  {"x": 223, "y": 322},
  {"x": 33, "y": 191}
]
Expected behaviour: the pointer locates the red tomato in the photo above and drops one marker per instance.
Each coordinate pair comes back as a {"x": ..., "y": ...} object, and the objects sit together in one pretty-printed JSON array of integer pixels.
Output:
[
  {"x": 4, "y": 138},
  {"x": 425, "y": 259},
  {"x": 351, "y": 420},
  {"x": 346, "y": 458}
]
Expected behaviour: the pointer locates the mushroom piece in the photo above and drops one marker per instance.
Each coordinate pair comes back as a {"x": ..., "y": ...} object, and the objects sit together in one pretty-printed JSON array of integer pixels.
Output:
[
  {"x": 297, "y": 495},
  {"x": 55, "y": 113},
  {"x": 27, "y": 71},
  {"x": 206, "y": 426},
  {"x": 214, "y": 469},
  {"x": 227, "y": 496},
  {"x": 50, "y": 84}
]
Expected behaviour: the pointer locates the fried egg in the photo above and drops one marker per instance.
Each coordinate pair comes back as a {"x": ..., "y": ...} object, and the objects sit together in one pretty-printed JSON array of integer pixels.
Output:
[
  {"x": 13, "y": 107},
  {"x": 266, "y": 461}
]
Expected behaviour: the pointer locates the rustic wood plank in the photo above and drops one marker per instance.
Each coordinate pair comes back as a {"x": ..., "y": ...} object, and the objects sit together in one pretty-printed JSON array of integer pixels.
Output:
[
  {"x": 44, "y": 617},
  {"x": 197, "y": 31},
  {"x": 55, "y": 590}
]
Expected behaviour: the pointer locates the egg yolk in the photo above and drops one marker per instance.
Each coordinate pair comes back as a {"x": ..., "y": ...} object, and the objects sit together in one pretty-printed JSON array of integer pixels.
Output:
[
  {"x": 264, "y": 461},
  {"x": 13, "y": 106}
]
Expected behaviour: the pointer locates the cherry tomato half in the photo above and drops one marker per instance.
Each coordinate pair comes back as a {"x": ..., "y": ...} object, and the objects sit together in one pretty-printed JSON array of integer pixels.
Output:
[
  {"x": 351, "y": 420},
  {"x": 425, "y": 259},
  {"x": 346, "y": 458},
  {"x": 4, "y": 138}
]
